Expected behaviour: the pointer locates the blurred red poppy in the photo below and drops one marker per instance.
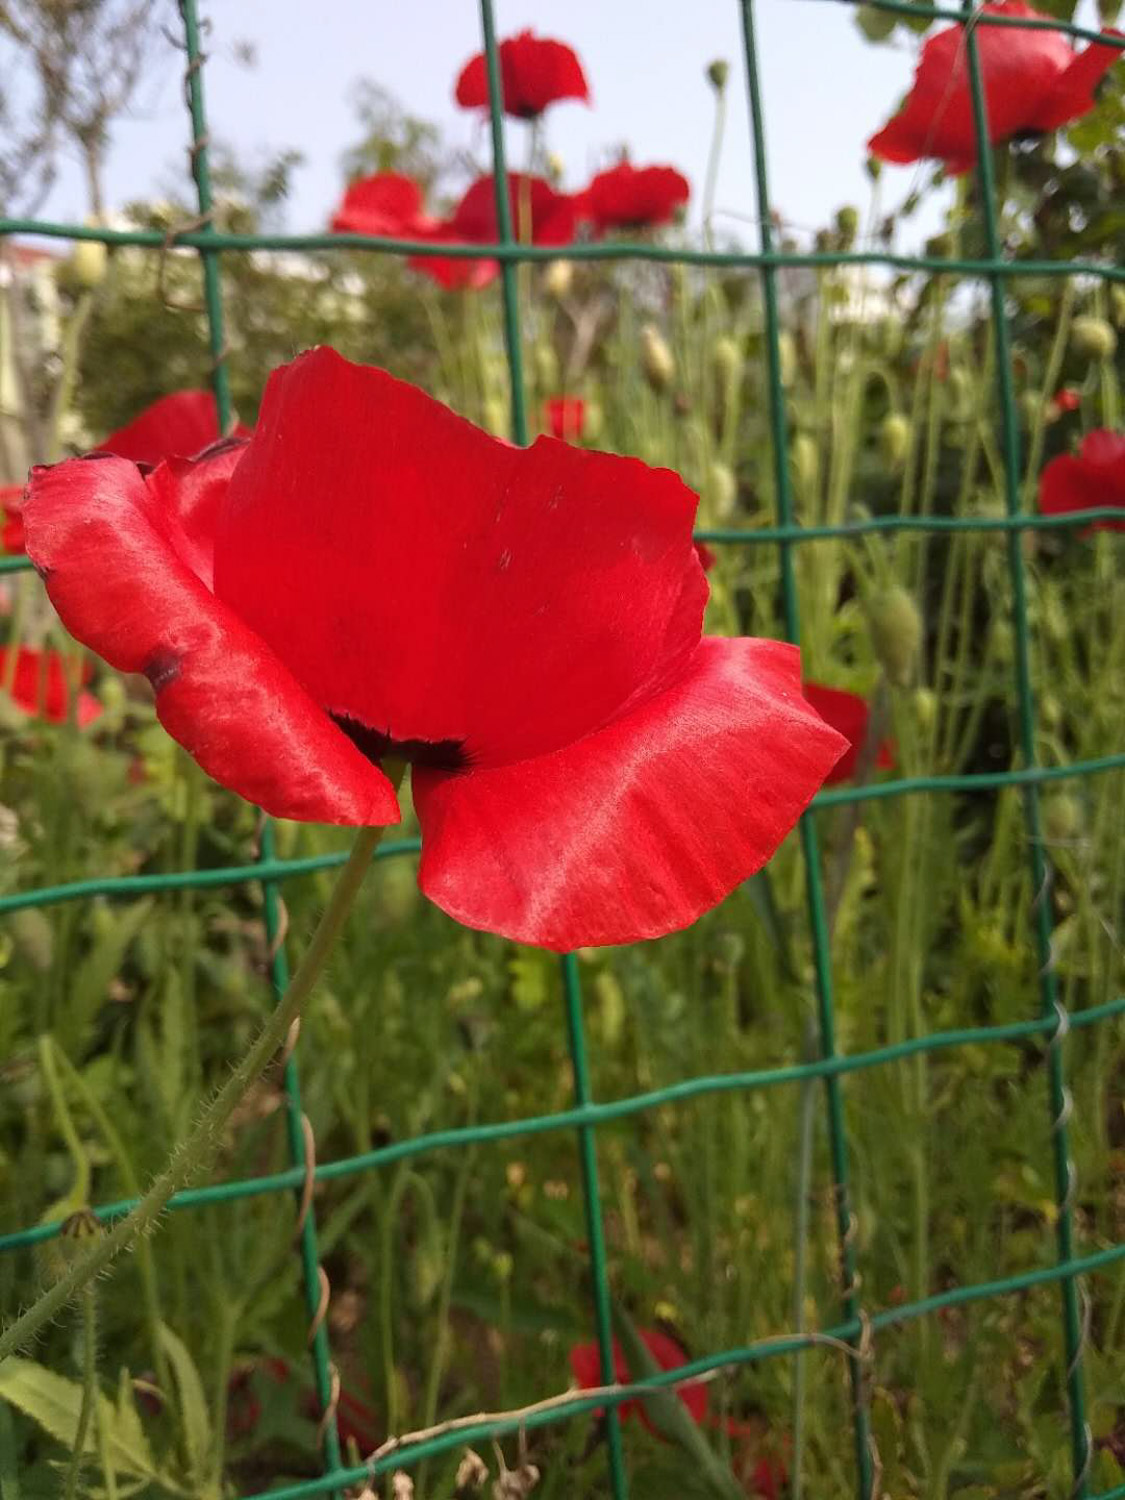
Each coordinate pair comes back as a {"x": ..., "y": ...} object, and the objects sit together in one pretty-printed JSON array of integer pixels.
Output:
[
  {"x": 628, "y": 197},
  {"x": 535, "y": 72},
  {"x": 11, "y": 504},
  {"x": 585, "y": 1365},
  {"x": 566, "y": 417},
  {"x": 849, "y": 715},
  {"x": 540, "y": 215},
  {"x": 181, "y": 425},
  {"x": 1034, "y": 81},
  {"x": 1068, "y": 399},
  {"x": 1094, "y": 477},
  {"x": 41, "y": 686},
  {"x": 587, "y": 770},
  {"x": 386, "y": 203}
]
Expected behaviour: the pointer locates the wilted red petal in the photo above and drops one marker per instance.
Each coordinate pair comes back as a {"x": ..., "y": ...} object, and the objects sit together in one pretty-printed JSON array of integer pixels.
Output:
[
  {"x": 566, "y": 416},
  {"x": 182, "y": 424},
  {"x": 1033, "y": 81},
  {"x": 446, "y": 577},
  {"x": 1093, "y": 479},
  {"x": 628, "y": 197},
  {"x": 632, "y": 831},
  {"x": 535, "y": 72},
  {"x": 386, "y": 203},
  {"x": 849, "y": 715},
  {"x": 585, "y": 1364},
  {"x": 220, "y": 691},
  {"x": 41, "y": 687}
]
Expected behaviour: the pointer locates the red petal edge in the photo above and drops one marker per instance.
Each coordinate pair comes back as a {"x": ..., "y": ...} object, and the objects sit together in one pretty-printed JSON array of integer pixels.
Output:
[
  {"x": 637, "y": 829},
  {"x": 114, "y": 571}
]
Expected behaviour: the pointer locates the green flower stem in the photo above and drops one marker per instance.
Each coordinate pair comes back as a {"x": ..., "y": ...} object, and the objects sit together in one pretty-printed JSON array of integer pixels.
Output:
[
  {"x": 89, "y": 1389},
  {"x": 194, "y": 1156}
]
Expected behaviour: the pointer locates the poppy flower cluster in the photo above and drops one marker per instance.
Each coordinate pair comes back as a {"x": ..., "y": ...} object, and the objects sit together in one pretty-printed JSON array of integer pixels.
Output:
[
  {"x": 523, "y": 626},
  {"x": 1033, "y": 82},
  {"x": 1092, "y": 478}
]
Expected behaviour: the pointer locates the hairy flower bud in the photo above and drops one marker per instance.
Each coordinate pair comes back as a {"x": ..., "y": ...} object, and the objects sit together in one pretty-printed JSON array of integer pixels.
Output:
[
  {"x": 727, "y": 357},
  {"x": 875, "y": 24},
  {"x": 722, "y": 489},
  {"x": 802, "y": 456},
  {"x": 557, "y": 278},
  {"x": 717, "y": 74},
  {"x": 896, "y": 632},
  {"x": 656, "y": 358},
  {"x": 894, "y": 440},
  {"x": 1093, "y": 338}
]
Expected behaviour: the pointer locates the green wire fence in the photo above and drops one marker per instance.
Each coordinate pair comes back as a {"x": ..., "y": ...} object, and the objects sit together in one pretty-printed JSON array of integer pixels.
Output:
[{"x": 1051, "y": 1024}]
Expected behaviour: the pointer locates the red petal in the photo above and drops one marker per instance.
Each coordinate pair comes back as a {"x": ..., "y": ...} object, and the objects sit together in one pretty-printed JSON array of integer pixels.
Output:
[
  {"x": 1095, "y": 478},
  {"x": 1072, "y": 95},
  {"x": 41, "y": 686},
  {"x": 552, "y": 220},
  {"x": 192, "y": 491},
  {"x": 633, "y": 198},
  {"x": 184, "y": 423},
  {"x": 534, "y": 72},
  {"x": 637, "y": 829},
  {"x": 451, "y": 587},
  {"x": 386, "y": 203},
  {"x": 220, "y": 691},
  {"x": 454, "y": 273},
  {"x": 566, "y": 416}
]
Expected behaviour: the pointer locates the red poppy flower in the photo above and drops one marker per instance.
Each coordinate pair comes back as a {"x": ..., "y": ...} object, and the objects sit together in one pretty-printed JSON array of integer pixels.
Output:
[
  {"x": 1033, "y": 81},
  {"x": 11, "y": 504},
  {"x": 386, "y": 203},
  {"x": 586, "y": 769},
  {"x": 41, "y": 686},
  {"x": 539, "y": 214},
  {"x": 1068, "y": 399},
  {"x": 848, "y": 714},
  {"x": 1094, "y": 477},
  {"x": 535, "y": 72},
  {"x": 585, "y": 1365},
  {"x": 566, "y": 417},
  {"x": 181, "y": 424},
  {"x": 628, "y": 197}
]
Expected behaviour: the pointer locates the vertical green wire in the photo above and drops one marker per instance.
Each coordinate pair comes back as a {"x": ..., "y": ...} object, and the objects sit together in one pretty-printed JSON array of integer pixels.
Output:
[
  {"x": 1058, "y": 1093},
  {"x": 595, "y": 1228},
  {"x": 809, "y": 842},
  {"x": 279, "y": 967}
]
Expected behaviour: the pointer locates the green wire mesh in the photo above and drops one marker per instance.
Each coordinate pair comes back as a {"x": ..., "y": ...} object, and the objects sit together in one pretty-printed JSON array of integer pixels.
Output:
[{"x": 1052, "y": 1023}]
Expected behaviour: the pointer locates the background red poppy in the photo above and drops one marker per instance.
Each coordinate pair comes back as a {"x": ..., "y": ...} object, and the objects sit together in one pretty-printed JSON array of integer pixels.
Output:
[
  {"x": 41, "y": 687},
  {"x": 535, "y": 72},
  {"x": 628, "y": 197},
  {"x": 1092, "y": 478},
  {"x": 850, "y": 715}
]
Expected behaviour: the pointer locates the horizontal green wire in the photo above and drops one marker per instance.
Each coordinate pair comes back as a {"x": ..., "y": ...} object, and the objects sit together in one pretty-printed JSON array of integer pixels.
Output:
[
  {"x": 585, "y": 250},
  {"x": 282, "y": 869},
  {"x": 595, "y": 1114},
  {"x": 735, "y": 536},
  {"x": 750, "y": 1354},
  {"x": 987, "y": 18}
]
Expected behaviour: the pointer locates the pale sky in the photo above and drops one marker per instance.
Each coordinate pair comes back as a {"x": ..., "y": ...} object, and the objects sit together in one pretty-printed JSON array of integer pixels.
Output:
[{"x": 826, "y": 90}]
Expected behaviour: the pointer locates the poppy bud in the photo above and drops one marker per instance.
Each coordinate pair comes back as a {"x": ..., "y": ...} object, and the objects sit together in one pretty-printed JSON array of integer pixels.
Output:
[
  {"x": 727, "y": 357},
  {"x": 802, "y": 456},
  {"x": 787, "y": 357},
  {"x": 896, "y": 632},
  {"x": 847, "y": 225},
  {"x": 1031, "y": 409},
  {"x": 1117, "y": 299},
  {"x": 1093, "y": 338},
  {"x": 717, "y": 74},
  {"x": 875, "y": 24},
  {"x": 873, "y": 167},
  {"x": 546, "y": 367},
  {"x": 925, "y": 708},
  {"x": 85, "y": 266},
  {"x": 722, "y": 488},
  {"x": 557, "y": 278},
  {"x": 656, "y": 358},
  {"x": 1062, "y": 818},
  {"x": 894, "y": 440}
]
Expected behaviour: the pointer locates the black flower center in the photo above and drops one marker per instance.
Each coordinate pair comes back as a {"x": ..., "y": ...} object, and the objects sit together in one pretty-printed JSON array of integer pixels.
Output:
[{"x": 377, "y": 746}]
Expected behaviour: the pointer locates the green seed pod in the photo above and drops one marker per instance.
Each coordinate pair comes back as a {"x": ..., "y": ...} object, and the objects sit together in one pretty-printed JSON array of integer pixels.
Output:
[
  {"x": 727, "y": 357},
  {"x": 1062, "y": 818},
  {"x": 803, "y": 456},
  {"x": 656, "y": 358},
  {"x": 875, "y": 24},
  {"x": 847, "y": 225},
  {"x": 925, "y": 708},
  {"x": 896, "y": 633},
  {"x": 85, "y": 266},
  {"x": 1030, "y": 408},
  {"x": 894, "y": 440},
  {"x": 557, "y": 278},
  {"x": 717, "y": 74},
  {"x": 722, "y": 490},
  {"x": 1093, "y": 338}
]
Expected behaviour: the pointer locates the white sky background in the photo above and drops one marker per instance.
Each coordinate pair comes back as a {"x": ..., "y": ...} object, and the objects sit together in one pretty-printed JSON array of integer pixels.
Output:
[{"x": 825, "y": 88}]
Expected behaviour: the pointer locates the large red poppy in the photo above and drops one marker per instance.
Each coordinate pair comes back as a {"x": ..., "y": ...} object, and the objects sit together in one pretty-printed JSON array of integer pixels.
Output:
[
  {"x": 535, "y": 72},
  {"x": 849, "y": 715},
  {"x": 523, "y": 625},
  {"x": 628, "y": 197},
  {"x": 539, "y": 214},
  {"x": 386, "y": 203},
  {"x": 40, "y": 686},
  {"x": 1033, "y": 81},
  {"x": 1093, "y": 478},
  {"x": 585, "y": 1365}
]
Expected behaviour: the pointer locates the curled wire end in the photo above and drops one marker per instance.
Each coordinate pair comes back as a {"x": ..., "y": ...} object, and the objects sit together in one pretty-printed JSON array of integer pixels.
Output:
[
  {"x": 310, "y": 1176},
  {"x": 328, "y": 1415},
  {"x": 321, "y": 1313}
]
